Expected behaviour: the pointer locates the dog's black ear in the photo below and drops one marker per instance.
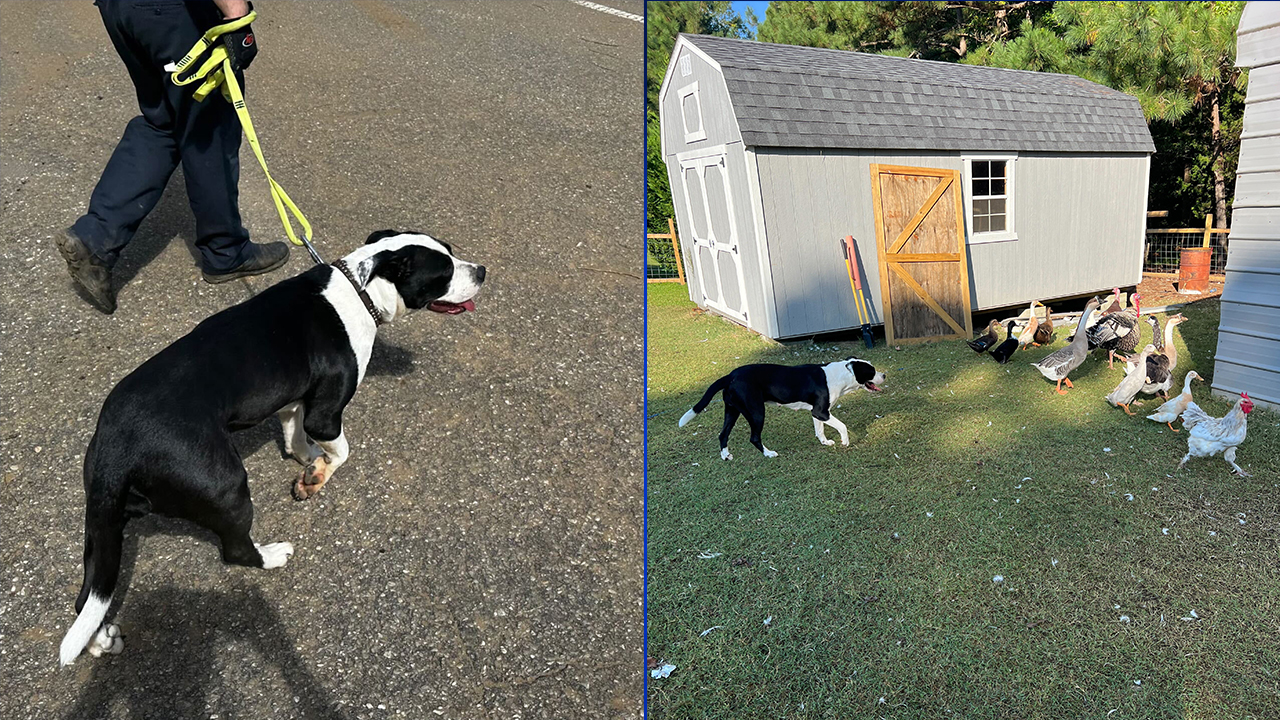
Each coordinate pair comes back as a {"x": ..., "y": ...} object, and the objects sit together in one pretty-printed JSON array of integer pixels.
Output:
[
  {"x": 420, "y": 274},
  {"x": 863, "y": 371},
  {"x": 377, "y": 235}
]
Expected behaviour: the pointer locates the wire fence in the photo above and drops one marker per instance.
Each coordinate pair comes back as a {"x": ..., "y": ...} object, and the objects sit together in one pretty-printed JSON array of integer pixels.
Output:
[
  {"x": 662, "y": 261},
  {"x": 1163, "y": 252}
]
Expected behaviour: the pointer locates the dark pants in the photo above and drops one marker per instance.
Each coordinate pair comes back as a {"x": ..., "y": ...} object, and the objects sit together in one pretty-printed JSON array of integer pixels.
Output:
[{"x": 173, "y": 128}]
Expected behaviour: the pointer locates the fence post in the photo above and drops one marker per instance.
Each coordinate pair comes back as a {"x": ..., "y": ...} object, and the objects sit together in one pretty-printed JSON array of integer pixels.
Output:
[
  {"x": 1208, "y": 227},
  {"x": 675, "y": 245}
]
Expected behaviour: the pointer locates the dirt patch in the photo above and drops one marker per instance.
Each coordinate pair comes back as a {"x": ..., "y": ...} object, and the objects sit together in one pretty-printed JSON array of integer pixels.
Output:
[{"x": 1160, "y": 291}]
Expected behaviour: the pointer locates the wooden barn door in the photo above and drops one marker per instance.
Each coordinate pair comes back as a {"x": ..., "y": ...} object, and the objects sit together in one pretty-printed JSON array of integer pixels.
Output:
[{"x": 924, "y": 274}]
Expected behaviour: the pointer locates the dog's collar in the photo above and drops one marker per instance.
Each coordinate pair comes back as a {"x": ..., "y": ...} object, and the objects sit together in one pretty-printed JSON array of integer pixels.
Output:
[{"x": 341, "y": 266}]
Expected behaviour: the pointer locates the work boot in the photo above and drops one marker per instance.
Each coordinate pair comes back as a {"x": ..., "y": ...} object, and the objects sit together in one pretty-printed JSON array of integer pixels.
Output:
[
  {"x": 91, "y": 274},
  {"x": 258, "y": 259}
]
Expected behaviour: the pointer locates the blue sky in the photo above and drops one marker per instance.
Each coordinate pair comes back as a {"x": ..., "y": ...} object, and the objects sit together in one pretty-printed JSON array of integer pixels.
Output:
[{"x": 756, "y": 5}]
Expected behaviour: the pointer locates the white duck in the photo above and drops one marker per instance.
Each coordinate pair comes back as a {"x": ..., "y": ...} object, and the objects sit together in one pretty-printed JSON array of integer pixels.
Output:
[
  {"x": 1170, "y": 411},
  {"x": 1132, "y": 383}
]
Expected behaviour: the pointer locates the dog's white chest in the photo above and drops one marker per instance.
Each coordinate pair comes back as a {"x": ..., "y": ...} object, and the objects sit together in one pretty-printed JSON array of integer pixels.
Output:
[{"x": 355, "y": 318}]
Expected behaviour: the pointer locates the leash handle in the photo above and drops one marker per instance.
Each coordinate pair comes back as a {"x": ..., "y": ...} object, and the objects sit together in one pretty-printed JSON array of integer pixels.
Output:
[{"x": 216, "y": 72}]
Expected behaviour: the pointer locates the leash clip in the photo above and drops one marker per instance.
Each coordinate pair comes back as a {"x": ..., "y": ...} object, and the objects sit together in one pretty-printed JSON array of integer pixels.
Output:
[{"x": 306, "y": 242}]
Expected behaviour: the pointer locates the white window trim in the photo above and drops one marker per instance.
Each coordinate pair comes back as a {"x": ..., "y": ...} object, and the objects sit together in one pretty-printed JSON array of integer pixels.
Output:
[
  {"x": 701, "y": 132},
  {"x": 1011, "y": 229}
]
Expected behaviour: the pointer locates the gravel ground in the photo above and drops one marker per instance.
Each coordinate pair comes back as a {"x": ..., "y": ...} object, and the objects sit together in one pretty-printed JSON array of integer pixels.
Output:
[{"x": 480, "y": 553}]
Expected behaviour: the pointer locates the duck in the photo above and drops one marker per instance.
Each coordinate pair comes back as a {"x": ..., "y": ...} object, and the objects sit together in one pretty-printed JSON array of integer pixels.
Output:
[
  {"x": 1005, "y": 350},
  {"x": 1128, "y": 388},
  {"x": 1028, "y": 334},
  {"x": 1057, "y": 365},
  {"x": 1117, "y": 332},
  {"x": 1170, "y": 411},
  {"x": 984, "y": 342},
  {"x": 1160, "y": 365},
  {"x": 1044, "y": 333}
]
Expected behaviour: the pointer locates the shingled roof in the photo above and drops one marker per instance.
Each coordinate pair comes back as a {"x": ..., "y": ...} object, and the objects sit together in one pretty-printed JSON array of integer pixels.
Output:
[{"x": 791, "y": 96}]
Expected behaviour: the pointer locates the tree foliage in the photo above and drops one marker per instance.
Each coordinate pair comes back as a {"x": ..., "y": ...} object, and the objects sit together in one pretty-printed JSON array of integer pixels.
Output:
[
  {"x": 1178, "y": 60},
  {"x": 925, "y": 30}
]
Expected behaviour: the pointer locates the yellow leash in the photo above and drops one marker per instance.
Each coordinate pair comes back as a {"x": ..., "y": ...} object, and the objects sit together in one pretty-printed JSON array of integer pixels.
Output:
[{"x": 216, "y": 72}]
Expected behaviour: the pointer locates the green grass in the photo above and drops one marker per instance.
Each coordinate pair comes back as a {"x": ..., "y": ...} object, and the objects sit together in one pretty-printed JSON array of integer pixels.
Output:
[{"x": 871, "y": 597}]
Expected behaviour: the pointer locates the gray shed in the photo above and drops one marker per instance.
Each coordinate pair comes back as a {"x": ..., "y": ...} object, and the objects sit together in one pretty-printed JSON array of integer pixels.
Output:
[
  {"x": 1248, "y": 357},
  {"x": 770, "y": 151}
]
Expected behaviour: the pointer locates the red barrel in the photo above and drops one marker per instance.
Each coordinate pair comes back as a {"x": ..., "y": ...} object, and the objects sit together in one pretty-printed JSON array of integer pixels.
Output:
[{"x": 1193, "y": 273}]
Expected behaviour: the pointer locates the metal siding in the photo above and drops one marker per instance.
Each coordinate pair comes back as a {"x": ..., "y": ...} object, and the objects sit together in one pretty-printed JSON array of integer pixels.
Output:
[
  {"x": 1248, "y": 356},
  {"x": 811, "y": 198},
  {"x": 717, "y": 113},
  {"x": 1258, "y": 35},
  {"x": 1260, "y": 189}
]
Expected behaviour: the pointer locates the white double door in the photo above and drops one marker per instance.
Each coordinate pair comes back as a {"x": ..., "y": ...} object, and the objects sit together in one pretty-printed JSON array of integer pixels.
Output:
[{"x": 717, "y": 254}]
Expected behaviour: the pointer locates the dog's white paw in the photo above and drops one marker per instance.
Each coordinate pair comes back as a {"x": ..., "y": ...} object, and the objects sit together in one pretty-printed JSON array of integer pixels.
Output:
[
  {"x": 107, "y": 640},
  {"x": 844, "y": 442},
  {"x": 725, "y": 454},
  {"x": 274, "y": 555},
  {"x": 769, "y": 453},
  {"x": 827, "y": 442}
]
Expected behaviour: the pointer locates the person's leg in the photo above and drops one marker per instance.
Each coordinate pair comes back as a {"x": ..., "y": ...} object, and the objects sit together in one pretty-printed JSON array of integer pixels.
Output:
[
  {"x": 210, "y": 148},
  {"x": 209, "y": 139},
  {"x": 147, "y": 154}
]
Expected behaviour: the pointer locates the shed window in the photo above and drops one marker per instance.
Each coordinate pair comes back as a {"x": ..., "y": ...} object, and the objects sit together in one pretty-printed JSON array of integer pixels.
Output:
[
  {"x": 989, "y": 198},
  {"x": 691, "y": 112}
]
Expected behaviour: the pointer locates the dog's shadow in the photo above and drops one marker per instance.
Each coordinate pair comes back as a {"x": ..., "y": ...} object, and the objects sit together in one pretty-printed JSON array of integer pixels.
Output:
[
  {"x": 387, "y": 359},
  {"x": 169, "y": 667}
]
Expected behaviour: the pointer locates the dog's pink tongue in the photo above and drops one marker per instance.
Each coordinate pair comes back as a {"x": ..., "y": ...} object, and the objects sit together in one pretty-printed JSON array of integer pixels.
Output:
[{"x": 452, "y": 308}]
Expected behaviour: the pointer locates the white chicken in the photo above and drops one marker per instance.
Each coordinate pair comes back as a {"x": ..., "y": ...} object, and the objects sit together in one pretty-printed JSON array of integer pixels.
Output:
[{"x": 1208, "y": 436}]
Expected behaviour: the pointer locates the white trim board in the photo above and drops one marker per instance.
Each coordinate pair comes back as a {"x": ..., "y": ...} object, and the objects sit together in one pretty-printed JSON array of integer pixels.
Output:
[{"x": 1010, "y": 232}]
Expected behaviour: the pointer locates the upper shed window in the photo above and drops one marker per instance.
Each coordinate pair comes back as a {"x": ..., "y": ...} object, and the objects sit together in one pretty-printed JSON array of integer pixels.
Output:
[
  {"x": 989, "y": 197},
  {"x": 691, "y": 112}
]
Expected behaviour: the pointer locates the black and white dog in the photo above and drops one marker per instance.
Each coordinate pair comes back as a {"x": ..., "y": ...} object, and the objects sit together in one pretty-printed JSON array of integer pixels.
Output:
[
  {"x": 800, "y": 387},
  {"x": 298, "y": 349}
]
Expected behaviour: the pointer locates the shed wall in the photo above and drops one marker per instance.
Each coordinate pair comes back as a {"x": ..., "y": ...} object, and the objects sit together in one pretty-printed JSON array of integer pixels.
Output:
[
  {"x": 717, "y": 112},
  {"x": 1248, "y": 356},
  {"x": 1080, "y": 222}
]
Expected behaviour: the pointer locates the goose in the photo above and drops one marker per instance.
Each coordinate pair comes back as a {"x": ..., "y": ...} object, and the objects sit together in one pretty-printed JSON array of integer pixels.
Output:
[{"x": 1057, "y": 365}]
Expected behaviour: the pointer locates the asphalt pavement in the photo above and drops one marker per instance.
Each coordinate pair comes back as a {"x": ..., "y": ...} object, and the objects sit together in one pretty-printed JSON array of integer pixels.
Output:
[{"x": 479, "y": 555}]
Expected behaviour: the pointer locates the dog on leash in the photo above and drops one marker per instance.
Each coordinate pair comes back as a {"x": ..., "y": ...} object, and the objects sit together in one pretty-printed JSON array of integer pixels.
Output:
[
  {"x": 800, "y": 387},
  {"x": 298, "y": 349}
]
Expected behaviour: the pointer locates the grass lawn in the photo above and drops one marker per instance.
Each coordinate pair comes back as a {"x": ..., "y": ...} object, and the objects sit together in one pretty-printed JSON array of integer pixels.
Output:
[{"x": 858, "y": 582}]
